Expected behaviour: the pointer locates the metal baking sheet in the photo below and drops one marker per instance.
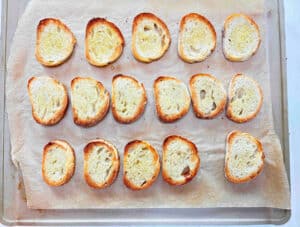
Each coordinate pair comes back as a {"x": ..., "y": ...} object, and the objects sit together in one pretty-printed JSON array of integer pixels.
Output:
[{"x": 12, "y": 193}]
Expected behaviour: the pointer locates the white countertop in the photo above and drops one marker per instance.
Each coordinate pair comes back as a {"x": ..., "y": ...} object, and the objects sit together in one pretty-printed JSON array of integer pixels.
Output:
[{"x": 292, "y": 28}]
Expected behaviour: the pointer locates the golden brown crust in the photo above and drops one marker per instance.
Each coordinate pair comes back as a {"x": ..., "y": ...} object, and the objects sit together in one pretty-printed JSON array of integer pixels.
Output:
[
  {"x": 101, "y": 114},
  {"x": 229, "y": 139},
  {"x": 162, "y": 116},
  {"x": 115, "y": 163},
  {"x": 192, "y": 173},
  {"x": 138, "y": 18},
  {"x": 229, "y": 112},
  {"x": 196, "y": 108},
  {"x": 226, "y": 24},
  {"x": 59, "y": 115},
  {"x": 119, "y": 50},
  {"x": 156, "y": 164},
  {"x": 42, "y": 24},
  {"x": 203, "y": 19},
  {"x": 142, "y": 104},
  {"x": 65, "y": 146}
]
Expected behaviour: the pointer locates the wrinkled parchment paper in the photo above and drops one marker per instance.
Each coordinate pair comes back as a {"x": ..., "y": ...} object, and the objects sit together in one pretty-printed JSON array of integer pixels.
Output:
[{"x": 209, "y": 188}]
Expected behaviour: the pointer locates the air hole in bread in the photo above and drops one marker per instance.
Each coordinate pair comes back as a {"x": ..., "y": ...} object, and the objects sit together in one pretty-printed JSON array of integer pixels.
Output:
[
  {"x": 240, "y": 93},
  {"x": 202, "y": 94},
  {"x": 241, "y": 112},
  {"x": 186, "y": 171},
  {"x": 194, "y": 49},
  {"x": 58, "y": 29},
  {"x": 144, "y": 182},
  {"x": 147, "y": 28},
  {"x": 214, "y": 106},
  {"x": 235, "y": 157}
]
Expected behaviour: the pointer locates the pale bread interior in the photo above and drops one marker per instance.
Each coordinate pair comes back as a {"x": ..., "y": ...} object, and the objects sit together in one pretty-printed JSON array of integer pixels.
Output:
[
  {"x": 151, "y": 39},
  {"x": 179, "y": 160},
  {"x": 246, "y": 97},
  {"x": 46, "y": 96},
  {"x": 244, "y": 157},
  {"x": 102, "y": 43},
  {"x": 56, "y": 163},
  {"x": 87, "y": 98},
  {"x": 173, "y": 96},
  {"x": 128, "y": 97},
  {"x": 100, "y": 163},
  {"x": 241, "y": 38},
  {"x": 209, "y": 94},
  {"x": 140, "y": 165},
  {"x": 197, "y": 40},
  {"x": 55, "y": 44}
]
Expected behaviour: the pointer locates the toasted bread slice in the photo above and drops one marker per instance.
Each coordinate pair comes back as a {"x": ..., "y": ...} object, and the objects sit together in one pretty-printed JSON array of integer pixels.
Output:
[
  {"x": 172, "y": 98},
  {"x": 104, "y": 42},
  {"x": 241, "y": 37},
  {"x": 101, "y": 163},
  {"x": 150, "y": 37},
  {"x": 180, "y": 160},
  {"x": 208, "y": 95},
  {"x": 128, "y": 98},
  {"x": 49, "y": 99},
  {"x": 197, "y": 38},
  {"x": 58, "y": 163},
  {"x": 141, "y": 165},
  {"x": 90, "y": 101},
  {"x": 55, "y": 42},
  {"x": 245, "y": 98},
  {"x": 244, "y": 158}
]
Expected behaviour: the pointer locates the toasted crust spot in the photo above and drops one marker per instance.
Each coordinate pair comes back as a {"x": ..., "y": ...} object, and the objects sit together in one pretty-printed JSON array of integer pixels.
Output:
[
  {"x": 245, "y": 98},
  {"x": 180, "y": 160},
  {"x": 208, "y": 95},
  {"x": 141, "y": 165},
  {"x": 197, "y": 38},
  {"x": 104, "y": 42},
  {"x": 150, "y": 37},
  {"x": 48, "y": 98},
  {"x": 101, "y": 163},
  {"x": 172, "y": 98},
  {"x": 244, "y": 158},
  {"x": 128, "y": 98},
  {"x": 58, "y": 163},
  {"x": 241, "y": 37},
  {"x": 90, "y": 101},
  {"x": 54, "y": 43}
]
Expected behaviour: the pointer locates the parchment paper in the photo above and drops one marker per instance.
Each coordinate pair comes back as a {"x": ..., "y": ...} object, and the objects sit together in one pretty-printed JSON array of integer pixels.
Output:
[{"x": 209, "y": 188}]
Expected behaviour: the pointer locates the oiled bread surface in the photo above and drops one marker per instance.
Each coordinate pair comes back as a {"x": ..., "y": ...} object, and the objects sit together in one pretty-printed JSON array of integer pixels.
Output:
[
  {"x": 58, "y": 163},
  {"x": 48, "y": 98},
  {"x": 101, "y": 163},
  {"x": 150, "y": 37},
  {"x": 141, "y": 165},
  {"x": 55, "y": 42},
  {"x": 181, "y": 160},
  {"x": 244, "y": 158}
]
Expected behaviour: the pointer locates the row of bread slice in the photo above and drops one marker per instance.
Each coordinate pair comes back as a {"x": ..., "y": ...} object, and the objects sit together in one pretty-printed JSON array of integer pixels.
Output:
[
  {"x": 151, "y": 39},
  {"x": 244, "y": 160},
  {"x": 91, "y": 101}
]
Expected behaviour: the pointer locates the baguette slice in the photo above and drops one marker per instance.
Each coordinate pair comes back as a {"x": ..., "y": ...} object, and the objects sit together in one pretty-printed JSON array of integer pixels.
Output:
[
  {"x": 197, "y": 38},
  {"x": 90, "y": 101},
  {"x": 58, "y": 163},
  {"x": 49, "y": 99},
  {"x": 245, "y": 98},
  {"x": 244, "y": 158},
  {"x": 141, "y": 165},
  {"x": 150, "y": 37},
  {"x": 55, "y": 42},
  {"x": 101, "y": 163},
  {"x": 104, "y": 42},
  {"x": 128, "y": 98},
  {"x": 180, "y": 160},
  {"x": 241, "y": 37},
  {"x": 172, "y": 98},
  {"x": 208, "y": 95}
]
